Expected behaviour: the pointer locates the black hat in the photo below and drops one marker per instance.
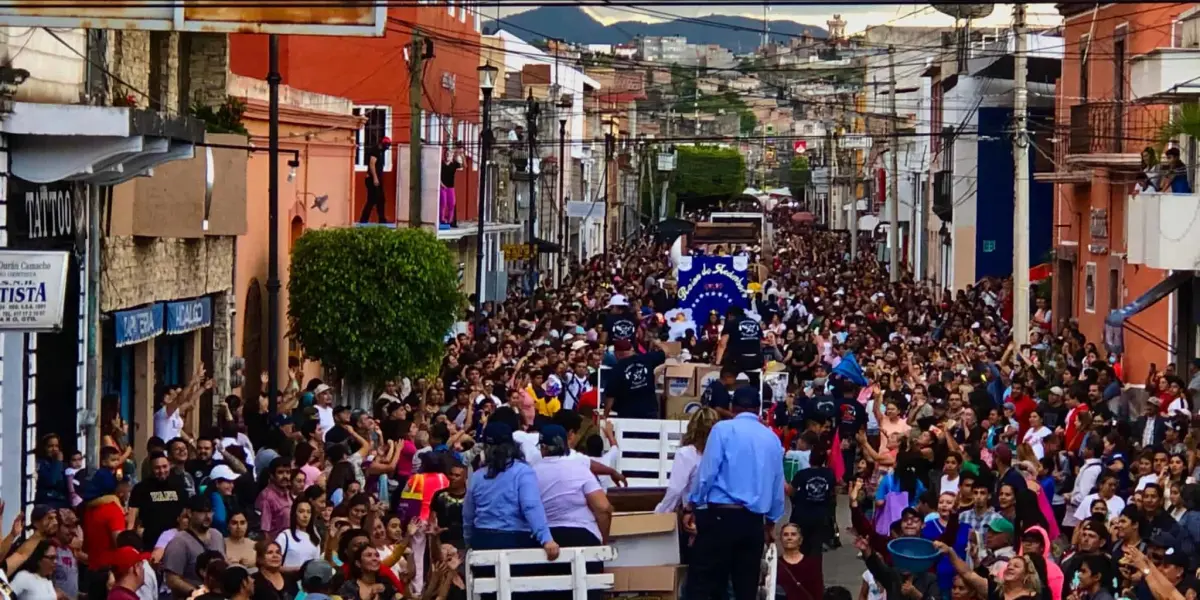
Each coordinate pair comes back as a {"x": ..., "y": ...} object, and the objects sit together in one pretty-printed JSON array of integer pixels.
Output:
[
  {"x": 199, "y": 503},
  {"x": 746, "y": 397}
]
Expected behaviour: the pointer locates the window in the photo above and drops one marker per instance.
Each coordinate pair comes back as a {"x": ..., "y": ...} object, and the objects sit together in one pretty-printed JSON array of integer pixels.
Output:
[
  {"x": 478, "y": 14},
  {"x": 1089, "y": 287},
  {"x": 1114, "y": 289},
  {"x": 378, "y": 125},
  {"x": 462, "y": 11},
  {"x": 1118, "y": 57},
  {"x": 451, "y": 5}
]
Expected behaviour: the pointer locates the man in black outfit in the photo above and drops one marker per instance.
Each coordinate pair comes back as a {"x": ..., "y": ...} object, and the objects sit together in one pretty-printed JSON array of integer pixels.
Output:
[
  {"x": 740, "y": 346},
  {"x": 376, "y": 158}
]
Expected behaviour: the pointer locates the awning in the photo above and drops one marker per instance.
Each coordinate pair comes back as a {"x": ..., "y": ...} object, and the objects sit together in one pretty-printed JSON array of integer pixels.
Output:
[
  {"x": 1114, "y": 325},
  {"x": 100, "y": 145}
]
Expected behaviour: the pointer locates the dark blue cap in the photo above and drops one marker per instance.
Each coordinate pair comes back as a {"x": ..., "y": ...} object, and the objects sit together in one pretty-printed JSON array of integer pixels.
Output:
[
  {"x": 746, "y": 397},
  {"x": 497, "y": 433},
  {"x": 551, "y": 432}
]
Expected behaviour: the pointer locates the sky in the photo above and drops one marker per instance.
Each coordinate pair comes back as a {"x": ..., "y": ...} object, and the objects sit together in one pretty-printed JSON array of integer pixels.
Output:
[{"x": 858, "y": 17}]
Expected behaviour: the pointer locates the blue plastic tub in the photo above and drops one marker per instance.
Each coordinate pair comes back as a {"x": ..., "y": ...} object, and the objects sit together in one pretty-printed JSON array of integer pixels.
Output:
[{"x": 913, "y": 554}]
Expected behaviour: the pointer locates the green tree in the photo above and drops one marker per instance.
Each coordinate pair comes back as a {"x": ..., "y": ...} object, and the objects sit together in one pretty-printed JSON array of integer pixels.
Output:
[
  {"x": 707, "y": 174},
  {"x": 747, "y": 122},
  {"x": 371, "y": 303},
  {"x": 798, "y": 176}
]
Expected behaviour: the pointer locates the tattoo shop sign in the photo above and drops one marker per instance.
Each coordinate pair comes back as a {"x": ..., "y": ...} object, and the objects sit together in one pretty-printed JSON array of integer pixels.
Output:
[{"x": 32, "y": 290}]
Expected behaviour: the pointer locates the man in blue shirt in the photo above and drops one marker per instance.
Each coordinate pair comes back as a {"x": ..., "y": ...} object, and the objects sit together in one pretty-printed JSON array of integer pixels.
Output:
[{"x": 738, "y": 497}]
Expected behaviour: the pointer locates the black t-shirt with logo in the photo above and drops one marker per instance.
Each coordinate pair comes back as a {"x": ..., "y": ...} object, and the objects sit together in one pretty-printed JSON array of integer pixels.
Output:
[
  {"x": 620, "y": 326},
  {"x": 813, "y": 489},
  {"x": 745, "y": 336},
  {"x": 159, "y": 504},
  {"x": 716, "y": 396},
  {"x": 632, "y": 385}
]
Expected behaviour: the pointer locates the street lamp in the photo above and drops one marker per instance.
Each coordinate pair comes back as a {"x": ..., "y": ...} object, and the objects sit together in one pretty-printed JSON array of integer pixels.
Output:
[
  {"x": 565, "y": 103},
  {"x": 487, "y": 81}
]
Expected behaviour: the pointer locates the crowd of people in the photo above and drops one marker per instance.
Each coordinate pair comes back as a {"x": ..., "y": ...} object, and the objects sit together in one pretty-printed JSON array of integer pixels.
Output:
[{"x": 1031, "y": 469}]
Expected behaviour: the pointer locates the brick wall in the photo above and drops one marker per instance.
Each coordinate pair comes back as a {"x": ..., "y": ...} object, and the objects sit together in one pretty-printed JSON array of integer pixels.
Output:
[
  {"x": 208, "y": 68},
  {"x": 129, "y": 60},
  {"x": 222, "y": 337},
  {"x": 137, "y": 270}
]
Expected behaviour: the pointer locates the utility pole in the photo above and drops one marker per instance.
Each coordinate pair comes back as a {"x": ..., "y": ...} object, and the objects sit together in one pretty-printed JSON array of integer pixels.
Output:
[
  {"x": 893, "y": 183},
  {"x": 416, "y": 67},
  {"x": 1020, "y": 329},
  {"x": 609, "y": 143},
  {"x": 531, "y": 115},
  {"x": 273, "y": 285}
]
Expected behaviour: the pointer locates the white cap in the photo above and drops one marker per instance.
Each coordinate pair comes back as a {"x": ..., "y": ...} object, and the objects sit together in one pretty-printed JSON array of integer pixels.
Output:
[
  {"x": 321, "y": 389},
  {"x": 222, "y": 472},
  {"x": 617, "y": 300}
]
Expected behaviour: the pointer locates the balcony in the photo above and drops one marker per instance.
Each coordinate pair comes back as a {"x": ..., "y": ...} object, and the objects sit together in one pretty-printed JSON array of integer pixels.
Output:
[
  {"x": 1166, "y": 74},
  {"x": 943, "y": 195},
  {"x": 1162, "y": 231},
  {"x": 1112, "y": 134}
]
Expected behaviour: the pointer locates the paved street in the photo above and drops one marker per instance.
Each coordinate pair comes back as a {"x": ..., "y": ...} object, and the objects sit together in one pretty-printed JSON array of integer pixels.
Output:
[{"x": 842, "y": 566}]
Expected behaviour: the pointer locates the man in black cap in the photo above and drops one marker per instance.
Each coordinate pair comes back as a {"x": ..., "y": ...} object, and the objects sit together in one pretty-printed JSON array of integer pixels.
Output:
[
  {"x": 179, "y": 557},
  {"x": 630, "y": 389},
  {"x": 735, "y": 508},
  {"x": 1164, "y": 551}
]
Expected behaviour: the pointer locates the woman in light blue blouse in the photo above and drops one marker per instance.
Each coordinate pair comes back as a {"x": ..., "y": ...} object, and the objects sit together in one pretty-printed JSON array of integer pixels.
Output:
[{"x": 503, "y": 508}]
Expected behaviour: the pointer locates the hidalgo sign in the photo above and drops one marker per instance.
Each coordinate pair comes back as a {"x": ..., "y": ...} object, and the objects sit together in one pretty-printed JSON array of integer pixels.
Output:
[{"x": 299, "y": 17}]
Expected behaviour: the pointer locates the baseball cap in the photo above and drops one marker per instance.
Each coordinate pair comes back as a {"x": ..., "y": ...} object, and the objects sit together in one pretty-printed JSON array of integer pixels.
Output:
[
  {"x": 385, "y": 140},
  {"x": 1003, "y": 452},
  {"x": 126, "y": 557},
  {"x": 222, "y": 472},
  {"x": 1163, "y": 540},
  {"x": 321, "y": 389},
  {"x": 746, "y": 397},
  {"x": 551, "y": 432},
  {"x": 1010, "y": 406},
  {"x": 40, "y": 511},
  {"x": 316, "y": 573},
  {"x": 497, "y": 433},
  {"x": 1001, "y": 525},
  {"x": 622, "y": 346},
  {"x": 617, "y": 300},
  {"x": 1177, "y": 558},
  {"x": 1057, "y": 391}
]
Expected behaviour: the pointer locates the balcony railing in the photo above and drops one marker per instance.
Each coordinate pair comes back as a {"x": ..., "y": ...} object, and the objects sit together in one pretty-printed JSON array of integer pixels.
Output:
[{"x": 1113, "y": 127}]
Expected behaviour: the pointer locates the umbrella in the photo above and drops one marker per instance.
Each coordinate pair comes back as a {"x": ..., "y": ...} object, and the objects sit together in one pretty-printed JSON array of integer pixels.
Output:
[
  {"x": 803, "y": 217},
  {"x": 672, "y": 228}
]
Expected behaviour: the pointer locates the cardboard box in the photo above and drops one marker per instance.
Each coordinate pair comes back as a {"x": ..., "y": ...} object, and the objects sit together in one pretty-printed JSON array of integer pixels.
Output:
[
  {"x": 665, "y": 582},
  {"x": 631, "y": 500},
  {"x": 645, "y": 539},
  {"x": 705, "y": 375},
  {"x": 680, "y": 408},
  {"x": 680, "y": 380},
  {"x": 672, "y": 349}
]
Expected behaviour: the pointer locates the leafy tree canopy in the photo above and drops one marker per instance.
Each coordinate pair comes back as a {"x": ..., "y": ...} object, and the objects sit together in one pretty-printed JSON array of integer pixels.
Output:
[
  {"x": 798, "y": 176},
  {"x": 708, "y": 173},
  {"x": 372, "y": 302}
]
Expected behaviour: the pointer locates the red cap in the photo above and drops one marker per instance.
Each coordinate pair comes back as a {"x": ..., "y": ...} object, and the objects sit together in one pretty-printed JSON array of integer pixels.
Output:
[
  {"x": 126, "y": 557},
  {"x": 385, "y": 140},
  {"x": 622, "y": 346},
  {"x": 589, "y": 399}
]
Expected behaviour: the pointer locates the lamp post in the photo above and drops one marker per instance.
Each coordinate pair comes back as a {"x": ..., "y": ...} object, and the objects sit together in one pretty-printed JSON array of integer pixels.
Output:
[
  {"x": 532, "y": 114},
  {"x": 609, "y": 147},
  {"x": 565, "y": 103},
  {"x": 487, "y": 80}
]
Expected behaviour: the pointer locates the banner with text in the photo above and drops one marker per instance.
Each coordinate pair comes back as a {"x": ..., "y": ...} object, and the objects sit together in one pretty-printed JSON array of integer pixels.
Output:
[{"x": 708, "y": 283}]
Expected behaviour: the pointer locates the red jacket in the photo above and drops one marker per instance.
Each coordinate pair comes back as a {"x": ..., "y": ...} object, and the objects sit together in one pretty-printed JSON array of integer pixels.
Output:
[{"x": 1024, "y": 407}]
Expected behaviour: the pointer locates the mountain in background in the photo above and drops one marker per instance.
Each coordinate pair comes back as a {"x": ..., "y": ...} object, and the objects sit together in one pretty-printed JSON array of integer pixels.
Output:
[{"x": 573, "y": 24}]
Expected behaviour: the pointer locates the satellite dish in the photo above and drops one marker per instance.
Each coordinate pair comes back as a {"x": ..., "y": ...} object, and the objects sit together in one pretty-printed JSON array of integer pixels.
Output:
[{"x": 965, "y": 11}]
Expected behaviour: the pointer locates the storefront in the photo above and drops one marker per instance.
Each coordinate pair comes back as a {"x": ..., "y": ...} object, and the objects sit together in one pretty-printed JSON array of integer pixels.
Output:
[{"x": 149, "y": 349}]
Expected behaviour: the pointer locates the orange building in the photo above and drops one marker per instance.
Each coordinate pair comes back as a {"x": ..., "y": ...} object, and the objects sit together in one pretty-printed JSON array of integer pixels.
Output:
[
  {"x": 322, "y": 130},
  {"x": 374, "y": 74},
  {"x": 1103, "y": 129}
]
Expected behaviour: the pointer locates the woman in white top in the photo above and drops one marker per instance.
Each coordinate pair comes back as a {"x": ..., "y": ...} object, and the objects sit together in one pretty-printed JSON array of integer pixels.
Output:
[
  {"x": 34, "y": 580},
  {"x": 687, "y": 460},
  {"x": 1035, "y": 434},
  {"x": 1106, "y": 490},
  {"x": 299, "y": 542}
]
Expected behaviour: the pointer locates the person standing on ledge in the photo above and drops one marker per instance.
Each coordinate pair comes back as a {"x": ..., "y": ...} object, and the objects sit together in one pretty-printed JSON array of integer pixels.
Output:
[
  {"x": 735, "y": 508},
  {"x": 376, "y": 159}
]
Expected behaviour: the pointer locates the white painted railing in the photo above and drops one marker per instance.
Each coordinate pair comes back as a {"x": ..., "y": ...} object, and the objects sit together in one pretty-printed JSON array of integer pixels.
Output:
[
  {"x": 771, "y": 557},
  {"x": 653, "y": 467},
  {"x": 503, "y": 584}
]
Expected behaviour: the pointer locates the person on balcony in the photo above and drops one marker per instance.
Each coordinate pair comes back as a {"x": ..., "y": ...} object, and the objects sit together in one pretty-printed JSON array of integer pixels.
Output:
[
  {"x": 450, "y": 166},
  {"x": 1175, "y": 175}
]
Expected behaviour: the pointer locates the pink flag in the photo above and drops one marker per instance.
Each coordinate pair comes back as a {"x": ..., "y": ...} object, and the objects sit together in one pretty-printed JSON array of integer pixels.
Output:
[{"x": 835, "y": 457}]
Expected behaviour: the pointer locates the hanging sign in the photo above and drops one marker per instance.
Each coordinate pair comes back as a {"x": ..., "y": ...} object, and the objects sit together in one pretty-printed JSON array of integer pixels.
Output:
[
  {"x": 32, "y": 290},
  {"x": 709, "y": 283},
  {"x": 138, "y": 324},
  {"x": 188, "y": 315}
]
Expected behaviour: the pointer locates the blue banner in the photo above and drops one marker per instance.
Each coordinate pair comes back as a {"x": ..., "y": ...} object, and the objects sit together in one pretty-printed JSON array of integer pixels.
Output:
[
  {"x": 708, "y": 283},
  {"x": 138, "y": 324},
  {"x": 188, "y": 315}
]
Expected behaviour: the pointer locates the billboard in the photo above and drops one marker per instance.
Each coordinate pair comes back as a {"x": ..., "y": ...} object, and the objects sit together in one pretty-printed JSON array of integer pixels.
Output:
[{"x": 364, "y": 18}]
